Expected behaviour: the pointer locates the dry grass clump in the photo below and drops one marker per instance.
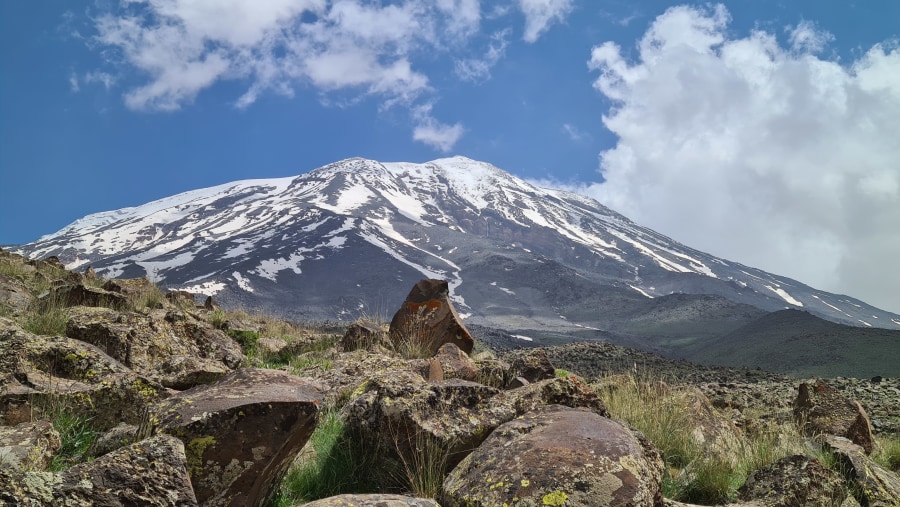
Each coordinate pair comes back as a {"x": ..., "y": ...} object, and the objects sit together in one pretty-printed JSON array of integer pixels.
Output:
[{"x": 692, "y": 475}]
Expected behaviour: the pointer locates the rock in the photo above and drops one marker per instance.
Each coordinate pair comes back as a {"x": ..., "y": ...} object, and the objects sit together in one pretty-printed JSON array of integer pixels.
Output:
[
  {"x": 177, "y": 351},
  {"x": 268, "y": 345},
  {"x": 90, "y": 274},
  {"x": 28, "y": 446},
  {"x": 40, "y": 374},
  {"x": 396, "y": 410},
  {"x": 493, "y": 372},
  {"x": 362, "y": 334},
  {"x": 132, "y": 288},
  {"x": 150, "y": 472},
  {"x": 558, "y": 456},
  {"x": 821, "y": 410},
  {"x": 517, "y": 383},
  {"x": 454, "y": 363},
  {"x": 711, "y": 431},
  {"x": 240, "y": 433},
  {"x": 428, "y": 316},
  {"x": 117, "y": 437},
  {"x": 14, "y": 295},
  {"x": 873, "y": 485},
  {"x": 435, "y": 371},
  {"x": 180, "y": 296},
  {"x": 534, "y": 366},
  {"x": 81, "y": 295},
  {"x": 210, "y": 304},
  {"x": 795, "y": 481},
  {"x": 374, "y": 500}
]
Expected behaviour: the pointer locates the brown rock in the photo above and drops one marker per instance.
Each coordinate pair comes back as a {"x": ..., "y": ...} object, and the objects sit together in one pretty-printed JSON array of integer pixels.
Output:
[
  {"x": 435, "y": 371},
  {"x": 81, "y": 295},
  {"x": 534, "y": 366},
  {"x": 240, "y": 433},
  {"x": 568, "y": 391},
  {"x": 874, "y": 486},
  {"x": 716, "y": 434},
  {"x": 428, "y": 316},
  {"x": 558, "y": 456},
  {"x": 151, "y": 472},
  {"x": 374, "y": 500},
  {"x": 117, "y": 437},
  {"x": 362, "y": 334},
  {"x": 455, "y": 363},
  {"x": 178, "y": 351},
  {"x": 795, "y": 481},
  {"x": 821, "y": 410},
  {"x": 28, "y": 446},
  {"x": 41, "y": 373}
]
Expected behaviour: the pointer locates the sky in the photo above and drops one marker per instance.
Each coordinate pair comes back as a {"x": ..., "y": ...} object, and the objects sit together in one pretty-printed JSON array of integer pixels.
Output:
[{"x": 766, "y": 132}]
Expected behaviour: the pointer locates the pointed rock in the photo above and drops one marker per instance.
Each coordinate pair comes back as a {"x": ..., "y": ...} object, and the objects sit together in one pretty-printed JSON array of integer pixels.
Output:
[
  {"x": 823, "y": 410},
  {"x": 428, "y": 317}
]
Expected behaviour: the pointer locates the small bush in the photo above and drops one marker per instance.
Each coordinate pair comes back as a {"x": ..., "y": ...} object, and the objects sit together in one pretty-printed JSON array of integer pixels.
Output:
[
  {"x": 334, "y": 464},
  {"x": 247, "y": 339},
  {"x": 47, "y": 317},
  {"x": 76, "y": 435}
]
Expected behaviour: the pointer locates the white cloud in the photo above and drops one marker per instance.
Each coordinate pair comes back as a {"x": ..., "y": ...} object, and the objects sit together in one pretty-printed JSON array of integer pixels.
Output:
[
  {"x": 759, "y": 153},
  {"x": 574, "y": 132},
  {"x": 433, "y": 133},
  {"x": 540, "y": 14},
  {"x": 183, "y": 47},
  {"x": 73, "y": 83},
  {"x": 479, "y": 69}
]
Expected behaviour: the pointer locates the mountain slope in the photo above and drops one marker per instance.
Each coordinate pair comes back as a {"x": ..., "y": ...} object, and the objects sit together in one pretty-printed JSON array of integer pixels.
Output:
[{"x": 351, "y": 237}]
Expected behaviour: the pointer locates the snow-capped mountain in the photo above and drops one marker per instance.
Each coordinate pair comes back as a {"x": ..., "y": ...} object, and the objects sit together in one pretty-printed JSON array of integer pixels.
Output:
[{"x": 352, "y": 237}]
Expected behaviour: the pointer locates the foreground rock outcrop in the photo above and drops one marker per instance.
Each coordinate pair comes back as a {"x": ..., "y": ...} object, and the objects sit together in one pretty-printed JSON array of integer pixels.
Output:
[
  {"x": 240, "y": 432},
  {"x": 557, "y": 456}
]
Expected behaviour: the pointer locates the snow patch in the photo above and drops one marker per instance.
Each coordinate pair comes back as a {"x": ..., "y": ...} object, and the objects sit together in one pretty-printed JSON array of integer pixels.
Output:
[
  {"x": 242, "y": 282},
  {"x": 784, "y": 295},
  {"x": 523, "y": 337},
  {"x": 641, "y": 291},
  {"x": 865, "y": 323},
  {"x": 206, "y": 288}
]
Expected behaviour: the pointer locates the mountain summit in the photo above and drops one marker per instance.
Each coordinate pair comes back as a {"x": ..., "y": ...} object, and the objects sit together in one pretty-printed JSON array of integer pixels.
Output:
[{"x": 348, "y": 238}]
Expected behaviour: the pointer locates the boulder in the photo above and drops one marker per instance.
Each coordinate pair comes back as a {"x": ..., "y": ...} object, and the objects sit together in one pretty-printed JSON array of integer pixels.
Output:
[
  {"x": 373, "y": 500},
  {"x": 81, "y": 295},
  {"x": 533, "y": 366},
  {"x": 428, "y": 316},
  {"x": 362, "y": 334},
  {"x": 795, "y": 481},
  {"x": 454, "y": 363},
  {"x": 117, "y": 437},
  {"x": 152, "y": 472},
  {"x": 716, "y": 434},
  {"x": 172, "y": 348},
  {"x": 557, "y": 455},
  {"x": 14, "y": 295},
  {"x": 873, "y": 485},
  {"x": 397, "y": 410},
  {"x": 42, "y": 374},
  {"x": 821, "y": 410},
  {"x": 28, "y": 446},
  {"x": 240, "y": 433},
  {"x": 493, "y": 372}
]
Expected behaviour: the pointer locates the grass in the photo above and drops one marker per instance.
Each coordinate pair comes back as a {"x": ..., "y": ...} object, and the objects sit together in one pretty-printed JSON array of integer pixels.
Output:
[
  {"x": 414, "y": 341},
  {"x": 692, "y": 475},
  {"x": 334, "y": 464},
  {"x": 46, "y": 318},
  {"x": 887, "y": 454},
  {"x": 76, "y": 435},
  {"x": 424, "y": 462}
]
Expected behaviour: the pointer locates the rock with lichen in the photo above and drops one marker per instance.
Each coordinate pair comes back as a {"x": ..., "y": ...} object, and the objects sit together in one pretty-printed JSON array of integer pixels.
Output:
[
  {"x": 873, "y": 485},
  {"x": 558, "y": 456},
  {"x": 795, "y": 481},
  {"x": 28, "y": 446},
  {"x": 822, "y": 410},
  {"x": 428, "y": 317},
  {"x": 240, "y": 433},
  {"x": 373, "y": 500}
]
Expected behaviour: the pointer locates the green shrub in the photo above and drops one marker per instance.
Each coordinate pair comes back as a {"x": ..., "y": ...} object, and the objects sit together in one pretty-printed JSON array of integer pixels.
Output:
[
  {"x": 247, "y": 339},
  {"x": 76, "y": 435},
  {"x": 335, "y": 464}
]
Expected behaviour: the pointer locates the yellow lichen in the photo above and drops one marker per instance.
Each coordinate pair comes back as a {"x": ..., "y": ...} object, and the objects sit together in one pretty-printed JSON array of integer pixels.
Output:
[
  {"x": 194, "y": 451},
  {"x": 555, "y": 499},
  {"x": 525, "y": 483}
]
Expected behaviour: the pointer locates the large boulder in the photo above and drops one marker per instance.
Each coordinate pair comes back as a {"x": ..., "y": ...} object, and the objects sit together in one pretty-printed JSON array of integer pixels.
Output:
[
  {"x": 873, "y": 485},
  {"x": 43, "y": 374},
  {"x": 82, "y": 295},
  {"x": 454, "y": 363},
  {"x": 557, "y": 455},
  {"x": 533, "y": 366},
  {"x": 363, "y": 334},
  {"x": 714, "y": 433},
  {"x": 241, "y": 433},
  {"x": 152, "y": 473},
  {"x": 170, "y": 347},
  {"x": 822, "y": 410},
  {"x": 373, "y": 500},
  {"x": 428, "y": 316},
  {"x": 795, "y": 481},
  {"x": 28, "y": 446}
]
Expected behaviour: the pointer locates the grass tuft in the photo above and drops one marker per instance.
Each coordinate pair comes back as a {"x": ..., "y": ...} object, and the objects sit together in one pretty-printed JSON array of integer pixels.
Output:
[{"x": 76, "y": 435}]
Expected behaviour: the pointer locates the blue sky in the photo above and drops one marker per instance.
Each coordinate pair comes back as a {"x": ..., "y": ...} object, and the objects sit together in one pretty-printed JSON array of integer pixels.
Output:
[{"x": 762, "y": 131}]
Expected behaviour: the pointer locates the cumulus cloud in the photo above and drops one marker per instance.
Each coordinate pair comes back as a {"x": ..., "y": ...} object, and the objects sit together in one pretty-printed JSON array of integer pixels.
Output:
[
  {"x": 433, "y": 133},
  {"x": 541, "y": 14},
  {"x": 479, "y": 69},
  {"x": 757, "y": 150},
  {"x": 183, "y": 47}
]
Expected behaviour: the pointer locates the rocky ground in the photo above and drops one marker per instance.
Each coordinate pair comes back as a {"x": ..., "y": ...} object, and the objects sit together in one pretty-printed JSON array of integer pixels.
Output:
[{"x": 115, "y": 393}]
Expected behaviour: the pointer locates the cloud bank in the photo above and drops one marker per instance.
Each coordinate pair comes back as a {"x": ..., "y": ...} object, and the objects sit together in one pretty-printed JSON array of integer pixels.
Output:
[
  {"x": 757, "y": 150},
  {"x": 180, "y": 48}
]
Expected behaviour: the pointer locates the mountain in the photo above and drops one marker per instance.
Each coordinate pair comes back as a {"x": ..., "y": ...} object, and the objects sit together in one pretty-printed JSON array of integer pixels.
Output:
[{"x": 352, "y": 237}]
